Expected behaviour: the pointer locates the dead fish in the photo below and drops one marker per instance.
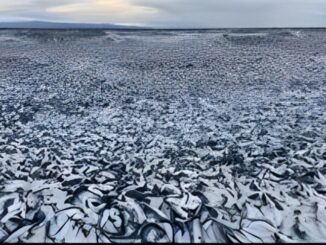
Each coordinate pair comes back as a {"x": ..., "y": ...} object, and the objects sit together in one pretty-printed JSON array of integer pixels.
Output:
[
  {"x": 153, "y": 233},
  {"x": 112, "y": 221},
  {"x": 59, "y": 225},
  {"x": 182, "y": 235},
  {"x": 186, "y": 207},
  {"x": 14, "y": 237},
  {"x": 3, "y": 235}
]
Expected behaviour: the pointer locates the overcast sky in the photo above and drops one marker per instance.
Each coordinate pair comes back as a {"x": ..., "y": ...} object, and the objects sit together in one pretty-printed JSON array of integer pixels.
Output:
[{"x": 172, "y": 13}]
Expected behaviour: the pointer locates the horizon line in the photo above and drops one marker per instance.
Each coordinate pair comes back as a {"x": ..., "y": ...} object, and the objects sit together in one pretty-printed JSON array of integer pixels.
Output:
[{"x": 139, "y": 26}]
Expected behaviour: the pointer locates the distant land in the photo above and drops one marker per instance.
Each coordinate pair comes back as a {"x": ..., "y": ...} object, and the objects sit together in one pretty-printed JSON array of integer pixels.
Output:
[
  {"x": 75, "y": 25},
  {"x": 61, "y": 25}
]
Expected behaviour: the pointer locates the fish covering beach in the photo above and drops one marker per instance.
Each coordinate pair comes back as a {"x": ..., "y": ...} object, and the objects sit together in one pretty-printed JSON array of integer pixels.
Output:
[{"x": 163, "y": 135}]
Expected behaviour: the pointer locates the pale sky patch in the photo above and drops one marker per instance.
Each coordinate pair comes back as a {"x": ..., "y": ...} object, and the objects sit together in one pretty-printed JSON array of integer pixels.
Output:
[{"x": 115, "y": 11}]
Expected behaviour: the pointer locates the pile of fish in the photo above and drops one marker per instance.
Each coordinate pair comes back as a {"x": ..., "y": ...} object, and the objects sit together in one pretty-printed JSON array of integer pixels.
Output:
[{"x": 212, "y": 140}]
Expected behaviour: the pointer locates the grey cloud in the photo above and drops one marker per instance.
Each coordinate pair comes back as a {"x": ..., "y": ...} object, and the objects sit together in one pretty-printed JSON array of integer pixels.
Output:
[
  {"x": 196, "y": 13},
  {"x": 33, "y": 9},
  {"x": 237, "y": 13}
]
